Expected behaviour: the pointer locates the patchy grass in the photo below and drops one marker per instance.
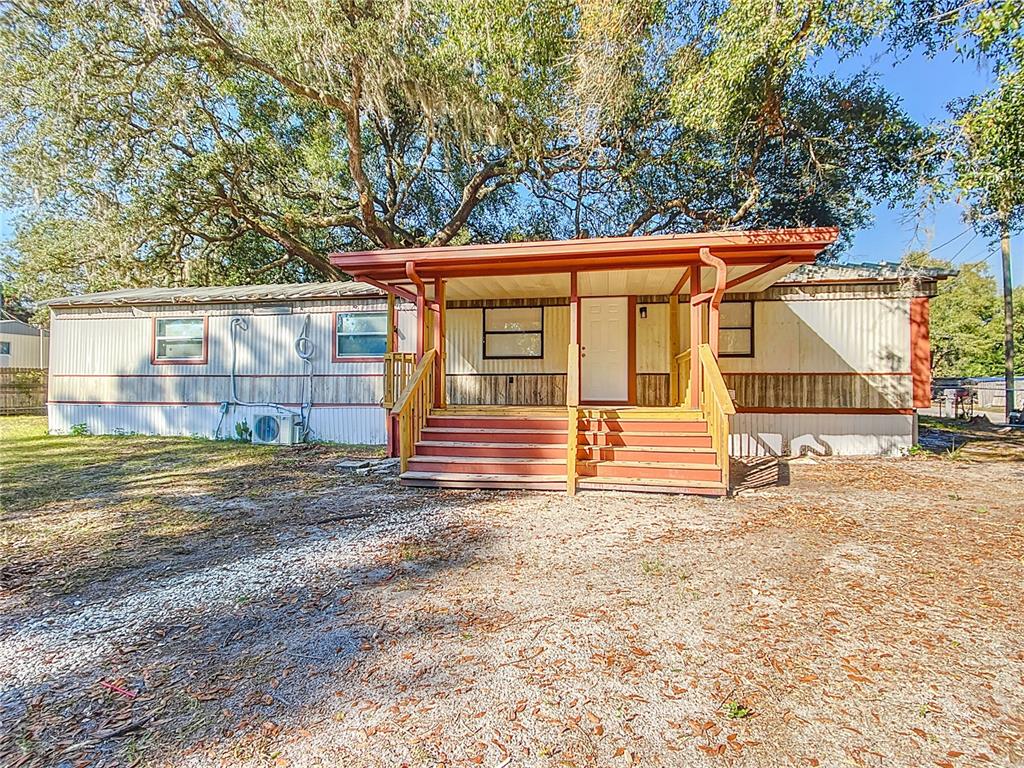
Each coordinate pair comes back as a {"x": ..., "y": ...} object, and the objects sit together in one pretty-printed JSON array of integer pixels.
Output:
[
  {"x": 975, "y": 440},
  {"x": 75, "y": 509}
]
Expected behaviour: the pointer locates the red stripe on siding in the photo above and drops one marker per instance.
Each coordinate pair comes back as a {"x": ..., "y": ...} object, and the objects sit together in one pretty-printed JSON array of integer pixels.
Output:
[
  {"x": 213, "y": 402},
  {"x": 837, "y": 411},
  {"x": 817, "y": 373}
]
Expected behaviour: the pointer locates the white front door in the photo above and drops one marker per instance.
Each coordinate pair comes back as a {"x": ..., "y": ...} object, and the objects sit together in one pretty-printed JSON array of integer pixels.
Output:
[{"x": 604, "y": 349}]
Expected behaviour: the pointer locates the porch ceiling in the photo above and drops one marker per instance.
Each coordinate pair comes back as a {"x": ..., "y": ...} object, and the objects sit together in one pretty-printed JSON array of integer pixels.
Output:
[
  {"x": 664, "y": 252},
  {"x": 620, "y": 282}
]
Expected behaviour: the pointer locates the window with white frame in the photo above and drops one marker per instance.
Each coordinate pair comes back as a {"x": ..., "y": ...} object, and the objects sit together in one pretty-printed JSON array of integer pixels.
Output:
[
  {"x": 5, "y": 347},
  {"x": 736, "y": 329},
  {"x": 513, "y": 332},
  {"x": 180, "y": 340},
  {"x": 361, "y": 334}
]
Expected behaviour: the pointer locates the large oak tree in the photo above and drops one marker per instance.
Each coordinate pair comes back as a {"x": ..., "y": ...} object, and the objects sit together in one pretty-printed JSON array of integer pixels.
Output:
[{"x": 195, "y": 141}]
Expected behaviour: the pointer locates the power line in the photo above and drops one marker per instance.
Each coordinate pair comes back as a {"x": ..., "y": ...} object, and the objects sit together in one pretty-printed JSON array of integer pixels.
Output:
[
  {"x": 963, "y": 248},
  {"x": 956, "y": 237}
]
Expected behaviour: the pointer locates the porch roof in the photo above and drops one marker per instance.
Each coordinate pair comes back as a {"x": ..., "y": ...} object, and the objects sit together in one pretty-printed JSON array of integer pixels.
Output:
[{"x": 752, "y": 249}]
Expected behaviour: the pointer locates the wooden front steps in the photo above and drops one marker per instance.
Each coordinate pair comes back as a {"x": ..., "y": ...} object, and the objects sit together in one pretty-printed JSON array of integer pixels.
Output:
[
  {"x": 638, "y": 449},
  {"x": 491, "y": 448},
  {"x": 647, "y": 449}
]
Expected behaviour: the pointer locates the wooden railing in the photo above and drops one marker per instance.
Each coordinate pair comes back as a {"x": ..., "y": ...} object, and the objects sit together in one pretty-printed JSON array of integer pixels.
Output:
[
  {"x": 572, "y": 425},
  {"x": 414, "y": 406},
  {"x": 683, "y": 368},
  {"x": 398, "y": 367},
  {"x": 717, "y": 407},
  {"x": 715, "y": 403}
]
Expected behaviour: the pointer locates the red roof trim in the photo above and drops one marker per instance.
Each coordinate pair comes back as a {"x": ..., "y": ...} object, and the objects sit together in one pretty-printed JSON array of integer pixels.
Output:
[{"x": 755, "y": 247}]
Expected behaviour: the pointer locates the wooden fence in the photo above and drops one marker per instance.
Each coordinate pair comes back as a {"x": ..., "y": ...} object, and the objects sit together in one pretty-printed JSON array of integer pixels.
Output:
[{"x": 22, "y": 391}]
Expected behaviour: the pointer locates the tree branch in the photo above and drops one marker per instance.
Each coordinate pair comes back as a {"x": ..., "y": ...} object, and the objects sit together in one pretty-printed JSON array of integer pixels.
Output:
[
  {"x": 208, "y": 30},
  {"x": 472, "y": 193}
]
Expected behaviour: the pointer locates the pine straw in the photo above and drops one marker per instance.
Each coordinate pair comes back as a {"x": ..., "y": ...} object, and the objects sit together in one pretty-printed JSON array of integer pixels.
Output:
[{"x": 868, "y": 613}]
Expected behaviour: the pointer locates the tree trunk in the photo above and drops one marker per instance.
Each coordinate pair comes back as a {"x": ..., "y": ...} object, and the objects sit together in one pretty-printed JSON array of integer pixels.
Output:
[{"x": 1007, "y": 315}]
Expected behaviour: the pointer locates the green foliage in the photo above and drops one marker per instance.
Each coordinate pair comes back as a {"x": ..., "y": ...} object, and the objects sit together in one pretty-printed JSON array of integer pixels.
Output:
[
  {"x": 79, "y": 430},
  {"x": 728, "y": 130},
  {"x": 736, "y": 711},
  {"x": 736, "y": 67},
  {"x": 652, "y": 567},
  {"x": 242, "y": 431},
  {"x": 982, "y": 148},
  {"x": 966, "y": 320}
]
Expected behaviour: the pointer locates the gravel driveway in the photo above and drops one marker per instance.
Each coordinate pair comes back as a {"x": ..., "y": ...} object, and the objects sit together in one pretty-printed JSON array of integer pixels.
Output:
[{"x": 852, "y": 612}]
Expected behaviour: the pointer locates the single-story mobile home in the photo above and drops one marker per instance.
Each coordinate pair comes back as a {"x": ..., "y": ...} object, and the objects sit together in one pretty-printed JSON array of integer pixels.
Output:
[{"x": 640, "y": 363}]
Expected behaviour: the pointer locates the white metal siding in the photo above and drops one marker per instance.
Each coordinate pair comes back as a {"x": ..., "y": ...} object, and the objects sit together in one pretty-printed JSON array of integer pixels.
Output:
[
  {"x": 800, "y": 336},
  {"x": 334, "y": 424},
  {"x": 102, "y": 373},
  {"x": 123, "y": 345},
  {"x": 830, "y": 434},
  {"x": 835, "y": 335}
]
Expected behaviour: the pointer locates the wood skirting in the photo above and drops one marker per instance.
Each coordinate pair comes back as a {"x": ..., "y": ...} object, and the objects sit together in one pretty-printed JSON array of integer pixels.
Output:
[
  {"x": 821, "y": 390},
  {"x": 791, "y": 391},
  {"x": 652, "y": 389},
  {"x": 506, "y": 388}
]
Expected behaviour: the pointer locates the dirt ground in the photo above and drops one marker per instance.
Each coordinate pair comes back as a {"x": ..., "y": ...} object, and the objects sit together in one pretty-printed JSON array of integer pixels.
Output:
[{"x": 181, "y": 603}]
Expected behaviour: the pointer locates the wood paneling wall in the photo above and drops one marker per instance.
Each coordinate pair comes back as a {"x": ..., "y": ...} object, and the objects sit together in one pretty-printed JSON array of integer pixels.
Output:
[
  {"x": 821, "y": 390},
  {"x": 652, "y": 389},
  {"x": 506, "y": 389}
]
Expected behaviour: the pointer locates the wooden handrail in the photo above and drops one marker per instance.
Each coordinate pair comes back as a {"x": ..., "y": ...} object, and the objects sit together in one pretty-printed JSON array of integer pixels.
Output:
[
  {"x": 398, "y": 367},
  {"x": 715, "y": 380},
  {"x": 413, "y": 407},
  {"x": 717, "y": 407}
]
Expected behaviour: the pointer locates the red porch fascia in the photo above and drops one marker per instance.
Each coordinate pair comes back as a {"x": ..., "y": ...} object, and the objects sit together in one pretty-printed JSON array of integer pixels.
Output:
[{"x": 594, "y": 254}]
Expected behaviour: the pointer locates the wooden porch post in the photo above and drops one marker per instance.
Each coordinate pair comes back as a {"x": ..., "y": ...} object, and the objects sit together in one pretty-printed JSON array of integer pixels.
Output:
[
  {"x": 713, "y": 325},
  {"x": 440, "y": 390},
  {"x": 389, "y": 376},
  {"x": 572, "y": 388},
  {"x": 673, "y": 349},
  {"x": 392, "y": 326},
  {"x": 696, "y": 329},
  {"x": 572, "y": 384},
  {"x": 421, "y": 309}
]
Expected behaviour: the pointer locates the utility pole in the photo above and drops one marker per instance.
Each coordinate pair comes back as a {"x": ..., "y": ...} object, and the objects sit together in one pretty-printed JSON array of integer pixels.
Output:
[{"x": 1004, "y": 237}]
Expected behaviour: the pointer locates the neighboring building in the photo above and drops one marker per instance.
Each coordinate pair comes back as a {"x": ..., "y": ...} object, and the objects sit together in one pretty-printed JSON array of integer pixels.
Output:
[
  {"x": 23, "y": 345},
  {"x": 990, "y": 392},
  {"x": 813, "y": 359}
]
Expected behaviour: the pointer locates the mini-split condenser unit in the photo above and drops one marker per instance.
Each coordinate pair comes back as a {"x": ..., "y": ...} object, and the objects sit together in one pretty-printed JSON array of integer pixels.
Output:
[{"x": 275, "y": 428}]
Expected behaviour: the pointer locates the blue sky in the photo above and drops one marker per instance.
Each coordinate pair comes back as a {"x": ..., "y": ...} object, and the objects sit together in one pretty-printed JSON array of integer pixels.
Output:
[{"x": 924, "y": 86}]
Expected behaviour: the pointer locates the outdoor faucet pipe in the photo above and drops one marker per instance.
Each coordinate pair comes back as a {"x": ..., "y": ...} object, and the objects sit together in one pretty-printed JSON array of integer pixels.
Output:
[{"x": 303, "y": 348}]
